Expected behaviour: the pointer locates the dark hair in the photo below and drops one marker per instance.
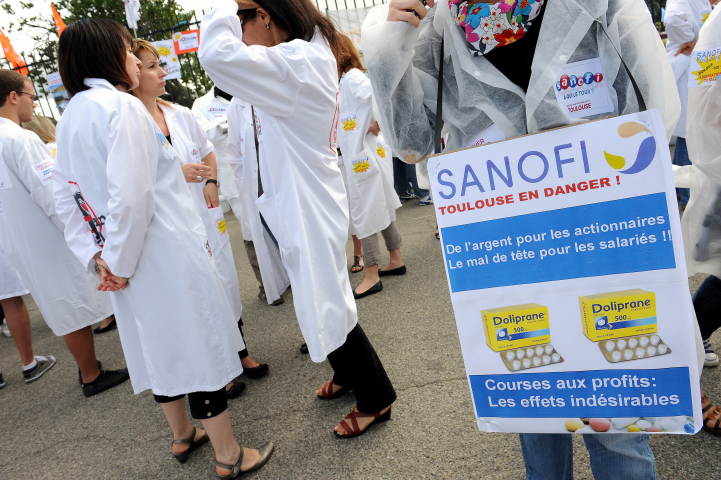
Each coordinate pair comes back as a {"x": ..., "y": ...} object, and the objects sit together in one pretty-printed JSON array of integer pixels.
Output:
[
  {"x": 10, "y": 81},
  {"x": 347, "y": 56},
  {"x": 299, "y": 19},
  {"x": 93, "y": 48}
]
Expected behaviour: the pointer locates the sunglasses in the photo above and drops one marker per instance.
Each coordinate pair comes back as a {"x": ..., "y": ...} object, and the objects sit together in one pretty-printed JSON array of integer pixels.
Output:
[{"x": 35, "y": 97}]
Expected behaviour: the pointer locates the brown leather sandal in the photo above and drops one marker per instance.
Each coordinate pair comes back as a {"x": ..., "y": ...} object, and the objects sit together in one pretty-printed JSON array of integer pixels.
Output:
[
  {"x": 353, "y": 429},
  {"x": 356, "y": 263},
  {"x": 711, "y": 416},
  {"x": 183, "y": 456},
  {"x": 326, "y": 391}
]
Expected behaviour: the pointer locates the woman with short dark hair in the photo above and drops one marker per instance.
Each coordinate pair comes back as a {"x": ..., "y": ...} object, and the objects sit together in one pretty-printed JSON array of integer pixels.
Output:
[{"x": 130, "y": 216}]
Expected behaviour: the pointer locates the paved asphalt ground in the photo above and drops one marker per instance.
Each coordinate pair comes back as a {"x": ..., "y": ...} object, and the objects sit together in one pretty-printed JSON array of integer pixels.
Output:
[{"x": 49, "y": 430}]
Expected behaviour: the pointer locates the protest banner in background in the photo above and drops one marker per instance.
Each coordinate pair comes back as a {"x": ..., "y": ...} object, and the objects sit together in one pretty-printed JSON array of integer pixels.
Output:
[
  {"x": 168, "y": 59},
  {"x": 58, "y": 92},
  {"x": 186, "y": 42},
  {"x": 350, "y": 21},
  {"x": 568, "y": 279}
]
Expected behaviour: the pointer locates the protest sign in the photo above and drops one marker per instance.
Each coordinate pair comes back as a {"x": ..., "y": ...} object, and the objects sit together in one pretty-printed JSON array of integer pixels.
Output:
[
  {"x": 58, "y": 92},
  {"x": 168, "y": 59},
  {"x": 568, "y": 280},
  {"x": 186, "y": 42}
]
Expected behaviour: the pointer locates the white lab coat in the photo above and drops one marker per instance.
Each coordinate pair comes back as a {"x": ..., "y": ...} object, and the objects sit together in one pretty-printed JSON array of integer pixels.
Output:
[
  {"x": 11, "y": 285},
  {"x": 31, "y": 233},
  {"x": 239, "y": 148},
  {"x": 211, "y": 113},
  {"x": 293, "y": 88},
  {"x": 683, "y": 21},
  {"x": 367, "y": 159},
  {"x": 176, "y": 326},
  {"x": 191, "y": 146}
]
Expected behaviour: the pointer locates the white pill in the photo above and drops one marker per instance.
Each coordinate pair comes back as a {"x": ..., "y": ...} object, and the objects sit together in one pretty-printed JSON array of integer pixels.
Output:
[
  {"x": 520, "y": 354},
  {"x": 632, "y": 342},
  {"x": 539, "y": 351},
  {"x": 662, "y": 349},
  {"x": 549, "y": 349},
  {"x": 546, "y": 359},
  {"x": 651, "y": 350},
  {"x": 555, "y": 357},
  {"x": 526, "y": 363},
  {"x": 621, "y": 344},
  {"x": 628, "y": 354},
  {"x": 643, "y": 341},
  {"x": 644, "y": 424},
  {"x": 655, "y": 340},
  {"x": 616, "y": 356},
  {"x": 530, "y": 352},
  {"x": 610, "y": 346},
  {"x": 510, "y": 356},
  {"x": 640, "y": 352},
  {"x": 516, "y": 365},
  {"x": 537, "y": 361}
]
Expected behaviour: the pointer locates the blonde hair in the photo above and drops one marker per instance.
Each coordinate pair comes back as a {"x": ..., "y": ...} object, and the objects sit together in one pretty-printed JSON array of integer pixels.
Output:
[
  {"x": 138, "y": 46},
  {"x": 43, "y": 127}
]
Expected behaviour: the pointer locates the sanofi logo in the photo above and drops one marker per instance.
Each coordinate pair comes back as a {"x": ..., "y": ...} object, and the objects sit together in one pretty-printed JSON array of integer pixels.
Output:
[{"x": 646, "y": 152}]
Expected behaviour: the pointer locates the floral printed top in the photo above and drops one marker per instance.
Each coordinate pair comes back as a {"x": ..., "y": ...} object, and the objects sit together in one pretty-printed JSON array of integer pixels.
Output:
[{"x": 489, "y": 26}]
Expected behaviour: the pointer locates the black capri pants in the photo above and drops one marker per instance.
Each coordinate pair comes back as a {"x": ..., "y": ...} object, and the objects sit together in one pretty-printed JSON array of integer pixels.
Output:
[{"x": 203, "y": 405}]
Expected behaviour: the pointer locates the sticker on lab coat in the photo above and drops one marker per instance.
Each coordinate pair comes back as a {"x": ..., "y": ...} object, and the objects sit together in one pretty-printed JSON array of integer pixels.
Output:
[
  {"x": 44, "y": 171},
  {"x": 349, "y": 123},
  {"x": 703, "y": 16},
  {"x": 206, "y": 247},
  {"x": 581, "y": 90},
  {"x": 489, "y": 135},
  {"x": 221, "y": 229},
  {"x": 241, "y": 135},
  {"x": 213, "y": 112},
  {"x": 4, "y": 175},
  {"x": 193, "y": 152},
  {"x": 381, "y": 151},
  {"x": 705, "y": 67},
  {"x": 258, "y": 127},
  {"x": 361, "y": 165}
]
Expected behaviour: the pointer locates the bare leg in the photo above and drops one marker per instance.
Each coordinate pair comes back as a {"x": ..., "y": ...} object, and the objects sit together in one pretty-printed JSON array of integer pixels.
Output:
[
  {"x": 180, "y": 424},
  {"x": 396, "y": 260},
  {"x": 357, "y": 249},
  {"x": 106, "y": 322},
  {"x": 248, "y": 362},
  {"x": 370, "y": 279},
  {"x": 18, "y": 320},
  {"x": 82, "y": 346},
  {"x": 226, "y": 448}
]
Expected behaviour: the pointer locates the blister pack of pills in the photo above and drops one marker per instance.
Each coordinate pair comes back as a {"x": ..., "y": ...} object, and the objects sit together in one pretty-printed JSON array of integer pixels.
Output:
[
  {"x": 530, "y": 357},
  {"x": 633, "y": 348}
]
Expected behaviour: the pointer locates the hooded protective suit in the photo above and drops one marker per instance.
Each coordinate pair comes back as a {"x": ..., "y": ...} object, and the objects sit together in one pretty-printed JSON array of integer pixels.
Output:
[{"x": 403, "y": 65}]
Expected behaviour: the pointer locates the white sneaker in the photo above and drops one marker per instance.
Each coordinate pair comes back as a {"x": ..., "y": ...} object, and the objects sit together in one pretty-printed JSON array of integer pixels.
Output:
[
  {"x": 6, "y": 331},
  {"x": 427, "y": 200},
  {"x": 712, "y": 359}
]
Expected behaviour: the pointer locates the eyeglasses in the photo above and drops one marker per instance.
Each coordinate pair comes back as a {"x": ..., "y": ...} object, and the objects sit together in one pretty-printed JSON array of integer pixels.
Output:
[{"x": 35, "y": 97}]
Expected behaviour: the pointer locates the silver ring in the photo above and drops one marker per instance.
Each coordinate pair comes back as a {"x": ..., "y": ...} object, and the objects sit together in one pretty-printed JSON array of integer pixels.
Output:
[{"x": 198, "y": 178}]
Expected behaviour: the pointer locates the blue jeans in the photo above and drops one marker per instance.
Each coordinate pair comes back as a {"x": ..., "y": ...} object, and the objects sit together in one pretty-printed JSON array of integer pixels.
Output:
[
  {"x": 613, "y": 456},
  {"x": 404, "y": 173},
  {"x": 707, "y": 304},
  {"x": 680, "y": 158}
]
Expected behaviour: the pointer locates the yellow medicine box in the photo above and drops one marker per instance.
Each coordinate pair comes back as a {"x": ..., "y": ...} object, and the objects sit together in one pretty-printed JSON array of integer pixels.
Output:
[
  {"x": 516, "y": 326},
  {"x": 618, "y": 314}
]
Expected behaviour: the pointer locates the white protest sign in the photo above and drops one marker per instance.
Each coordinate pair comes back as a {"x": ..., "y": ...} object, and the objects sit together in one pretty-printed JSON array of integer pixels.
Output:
[
  {"x": 581, "y": 90},
  {"x": 168, "y": 59},
  {"x": 568, "y": 280}
]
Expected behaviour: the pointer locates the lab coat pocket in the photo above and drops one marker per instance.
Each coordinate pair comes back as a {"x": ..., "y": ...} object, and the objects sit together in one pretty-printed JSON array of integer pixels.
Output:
[
  {"x": 221, "y": 230},
  {"x": 202, "y": 240},
  {"x": 362, "y": 166}
]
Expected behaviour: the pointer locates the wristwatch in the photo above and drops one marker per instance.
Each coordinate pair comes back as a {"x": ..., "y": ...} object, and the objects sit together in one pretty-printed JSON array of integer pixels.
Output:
[{"x": 212, "y": 180}]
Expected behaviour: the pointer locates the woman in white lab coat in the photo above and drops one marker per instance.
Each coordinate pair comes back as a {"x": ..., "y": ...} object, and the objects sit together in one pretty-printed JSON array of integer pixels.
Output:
[
  {"x": 367, "y": 162},
  {"x": 279, "y": 61},
  {"x": 503, "y": 64},
  {"x": 130, "y": 216},
  {"x": 197, "y": 160},
  {"x": 683, "y": 20}
]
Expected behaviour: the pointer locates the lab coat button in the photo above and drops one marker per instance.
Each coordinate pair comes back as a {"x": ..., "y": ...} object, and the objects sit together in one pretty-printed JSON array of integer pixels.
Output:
[
  {"x": 207, "y": 402},
  {"x": 563, "y": 58},
  {"x": 209, "y": 414}
]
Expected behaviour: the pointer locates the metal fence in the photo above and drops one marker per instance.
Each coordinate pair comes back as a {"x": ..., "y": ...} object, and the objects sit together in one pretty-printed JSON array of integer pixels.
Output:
[{"x": 194, "y": 82}]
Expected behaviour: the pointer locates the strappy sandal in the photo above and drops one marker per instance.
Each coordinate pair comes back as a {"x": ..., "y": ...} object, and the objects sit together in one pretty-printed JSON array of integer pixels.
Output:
[
  {"x": 356, "y": 263},
  {"x": 265, "y": 453},
  {"x": 353, "y": 430},
  {"x": 183, "y": 456},
  {"x": 438, "y": 233},
  {"x": 326, "y": 391},
  {"x": 711, "y": 414}
]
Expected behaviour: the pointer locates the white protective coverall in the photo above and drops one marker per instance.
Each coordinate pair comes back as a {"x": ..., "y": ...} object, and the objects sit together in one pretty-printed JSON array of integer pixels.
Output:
[
  {"x": 367, "y": 159},
  {"x": 683, "y": 21},
  {"x": 118, "y": 188},
  {"x": 31, "y": 233},
  {"x": 191, "y": 146},
  {"x": 403, "y": 67},
  {"x": 293, "y": 88},
  {"x": 211, "y": 113},
  {"x": 241, "y": 146}
]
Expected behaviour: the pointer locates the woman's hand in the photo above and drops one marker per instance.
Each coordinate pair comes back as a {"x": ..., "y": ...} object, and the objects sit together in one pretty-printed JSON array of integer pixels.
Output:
[
  {"x": 686, "y": 48},
  {"x": 191, "y": 172},
  {"x": 375, "y": 129},
  {"x": 402, "y": 11},
  {"x": 108, "y": 281},
  {"x": 211, "y": 195}
]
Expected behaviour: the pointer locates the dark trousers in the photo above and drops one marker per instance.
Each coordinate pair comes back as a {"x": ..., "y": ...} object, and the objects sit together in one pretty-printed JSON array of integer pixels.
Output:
[
  {"x": 404, "y": 173},
  {"x": 357, "y": 366},
  {"x": 707, "y": 304},
  {"x": 203, "y": 405}
]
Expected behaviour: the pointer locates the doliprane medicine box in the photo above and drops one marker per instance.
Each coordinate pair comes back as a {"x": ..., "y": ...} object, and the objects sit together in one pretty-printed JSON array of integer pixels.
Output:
[
  {"x": 516, "y": 326},
  {"x": 618, "y": 314}
]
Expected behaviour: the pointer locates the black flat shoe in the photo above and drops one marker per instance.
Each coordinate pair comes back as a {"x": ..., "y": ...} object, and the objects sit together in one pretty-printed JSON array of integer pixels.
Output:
[
  {"x": 257, "y": 372},
  {"x": 235, "y": 390},
  {"x": 80, "y": 375},
  {"x": 396, "y": 271},
  {"x": 183, "y": 456},
  {"x": 106, "y": 380},
  {"x": 110, "y": 326},
  {"x": 304, "y": 349},
  {"x": 374, "y": 289},
  {"x": 264, "y": 452}
]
